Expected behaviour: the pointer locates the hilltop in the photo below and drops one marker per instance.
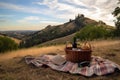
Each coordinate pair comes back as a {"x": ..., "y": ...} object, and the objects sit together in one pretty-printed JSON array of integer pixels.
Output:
[{"x": 58, "y": 31}]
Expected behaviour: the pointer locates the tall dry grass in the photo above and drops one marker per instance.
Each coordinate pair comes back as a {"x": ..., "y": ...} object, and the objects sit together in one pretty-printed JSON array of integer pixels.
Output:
[
  {"x": 16, "y": 40},
  {"x": 35, "y": 51},
  {"x": 59, "y": 49}
]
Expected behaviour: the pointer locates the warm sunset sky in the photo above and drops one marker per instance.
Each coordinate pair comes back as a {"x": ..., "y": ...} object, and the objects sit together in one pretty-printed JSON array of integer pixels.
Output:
[{"x": 36, "y": 14}]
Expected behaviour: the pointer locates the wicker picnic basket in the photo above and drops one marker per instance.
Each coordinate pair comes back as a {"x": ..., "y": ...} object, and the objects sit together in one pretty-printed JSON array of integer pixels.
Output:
[{"x": 78, "y": 55}]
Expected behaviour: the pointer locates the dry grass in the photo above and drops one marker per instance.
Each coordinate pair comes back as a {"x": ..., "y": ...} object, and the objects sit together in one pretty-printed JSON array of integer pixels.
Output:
[
  {"x": 16, "y": 40},
  {"x": 13, "y": 66},
  {"x": 35, "y": 51},
  {"x": 59, "y": 40}
]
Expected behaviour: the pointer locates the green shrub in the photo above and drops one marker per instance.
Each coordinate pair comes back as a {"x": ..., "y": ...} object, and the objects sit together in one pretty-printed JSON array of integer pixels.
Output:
[
  {"x": 116, "y": 33},
  {"x": 93, "y": 32},
  {"x": 6, "y": 44}
]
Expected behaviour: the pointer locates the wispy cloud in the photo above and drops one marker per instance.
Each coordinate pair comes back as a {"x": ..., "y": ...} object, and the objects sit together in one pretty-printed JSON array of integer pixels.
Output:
[
  {"x": 65, "y": 9},
  {"x": 42, "y": 22},
  {"x": 20, "y": 8},
  {"x": 29, "y": 19},
  {"x": 10, "y": 6},
  {"x": 95, "y": 9},
  {"x": 2, "y": 20},
  {"x": 48, "y": 22},
  {"x": 5, "y": 15}
]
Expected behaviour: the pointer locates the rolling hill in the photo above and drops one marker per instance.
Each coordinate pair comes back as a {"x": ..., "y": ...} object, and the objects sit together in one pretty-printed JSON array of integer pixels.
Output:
[{"x": 58, "y": 31}]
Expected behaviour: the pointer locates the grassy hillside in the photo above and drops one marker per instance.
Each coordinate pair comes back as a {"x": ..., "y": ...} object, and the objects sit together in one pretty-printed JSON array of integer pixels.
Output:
[
  {"x": 15, "y": 39},
  {"x": 62, "y": 30},
  {"x": 50, "y": 33},
  {"x": 58, "y": 41},
  {"x": 57, "y": 31},
  {"x": 13, "y": 66}
]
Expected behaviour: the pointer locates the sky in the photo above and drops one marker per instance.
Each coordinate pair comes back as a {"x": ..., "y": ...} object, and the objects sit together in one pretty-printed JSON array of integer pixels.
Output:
[{"x": 37, "y": 14}]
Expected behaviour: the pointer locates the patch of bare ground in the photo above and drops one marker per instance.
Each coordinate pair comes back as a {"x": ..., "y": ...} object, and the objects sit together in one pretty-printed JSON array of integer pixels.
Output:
[{"x": 13, "y": 66}]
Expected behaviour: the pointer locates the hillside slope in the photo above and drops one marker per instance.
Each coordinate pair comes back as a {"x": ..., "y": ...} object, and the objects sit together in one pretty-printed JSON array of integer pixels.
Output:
[
  {"x": 49, "y": 33},
  {"x": 53, "y": 32},
  {"x": 15, "y": 39},
  {"x": 61, "y": 40}
]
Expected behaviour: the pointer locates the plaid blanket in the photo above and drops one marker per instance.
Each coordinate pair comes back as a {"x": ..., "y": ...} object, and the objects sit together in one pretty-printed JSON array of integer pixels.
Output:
[{"x": 98, "y": 65}]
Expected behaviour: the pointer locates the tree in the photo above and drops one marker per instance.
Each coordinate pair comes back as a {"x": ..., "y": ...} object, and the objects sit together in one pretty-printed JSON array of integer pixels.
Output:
[
  {"x": 91, "y": 32},
  {"x": 79, "y": 20},
  {"x": 7, "y": 44},
  {"x": 116, "y": 13}
]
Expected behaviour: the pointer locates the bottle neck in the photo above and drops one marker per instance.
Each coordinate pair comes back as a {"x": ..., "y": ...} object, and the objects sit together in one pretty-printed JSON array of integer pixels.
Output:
[{"x": 74, "y": 45}]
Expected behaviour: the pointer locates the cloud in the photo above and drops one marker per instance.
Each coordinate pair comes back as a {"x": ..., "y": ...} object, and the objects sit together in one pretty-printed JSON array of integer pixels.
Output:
[
  {"x": 5, "y": 15},
  {"x": 50, "y": 3},
  {"x": 20, "y": 8},
  {"x": 48, "y": 22},
  {"x": 10, "y": 6},
  {"x": 2, "y": 20},
  {"x": 29, "y": 19},
  {"x": 36, "y": 18},
  {"x": 66, "y": 9},
  {"x": 32, "y": 18},
  {"x": 95, "y": 9}
]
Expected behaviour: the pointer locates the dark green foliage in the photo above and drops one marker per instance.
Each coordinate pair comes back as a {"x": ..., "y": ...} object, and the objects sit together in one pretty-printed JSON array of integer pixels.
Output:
[
  {"x": 79, "y": 20},
  {"x": 6, "y": 44},
  {"x": 70, "y": 20},
  {"x": 116, "y": 13},
  {"x": 116, "y": 33},
  {"x": 93, "y": 32}
]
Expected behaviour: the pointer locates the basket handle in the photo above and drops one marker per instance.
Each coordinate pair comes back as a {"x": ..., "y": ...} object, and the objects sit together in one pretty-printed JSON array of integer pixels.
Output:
[
  {"x": 85, "y": 43},
  {"x": 66, "y": 44},
  {"x": 88, "y": 44}
]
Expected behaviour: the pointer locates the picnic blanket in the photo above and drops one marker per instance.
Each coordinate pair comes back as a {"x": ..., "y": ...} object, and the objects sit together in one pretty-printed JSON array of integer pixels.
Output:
[{"x": 98, "y": 65}]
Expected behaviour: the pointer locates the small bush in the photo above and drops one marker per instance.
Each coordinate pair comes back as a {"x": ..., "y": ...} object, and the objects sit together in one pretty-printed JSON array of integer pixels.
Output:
[{"x": 6, "y": 44}]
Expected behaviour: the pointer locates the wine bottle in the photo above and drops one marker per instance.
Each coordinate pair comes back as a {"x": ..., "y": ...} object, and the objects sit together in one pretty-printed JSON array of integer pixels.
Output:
[{"x": 74, "y": 44}]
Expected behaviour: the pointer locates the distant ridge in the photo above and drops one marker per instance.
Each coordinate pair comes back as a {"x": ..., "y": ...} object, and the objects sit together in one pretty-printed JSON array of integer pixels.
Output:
[{"x": 19, "y": 34}]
